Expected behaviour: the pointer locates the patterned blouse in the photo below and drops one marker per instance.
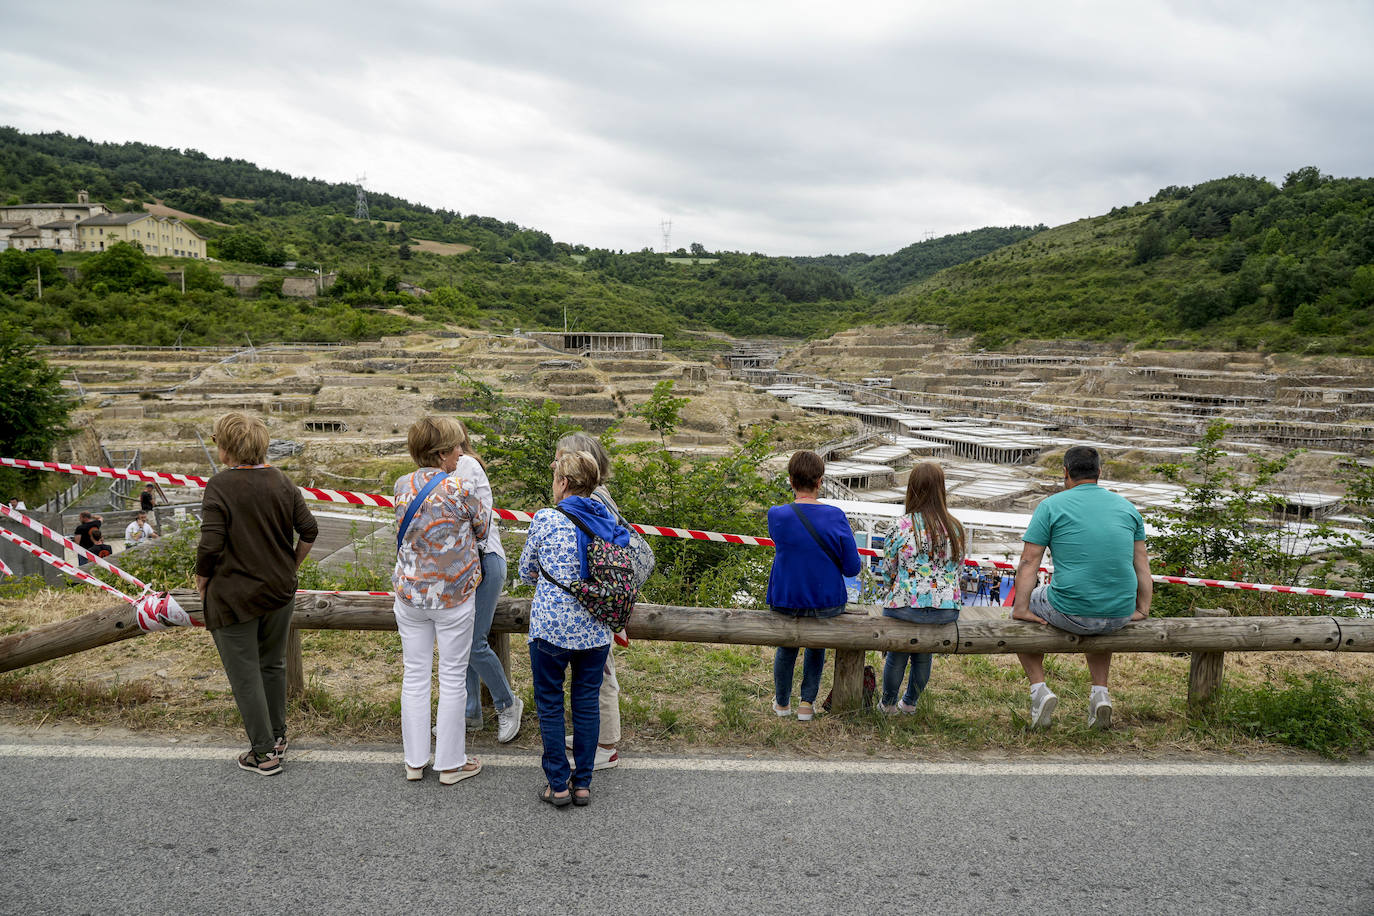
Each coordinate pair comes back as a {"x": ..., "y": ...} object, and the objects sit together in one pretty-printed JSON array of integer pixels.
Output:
[
  {"x": 914, "y": 575},
  {"x": 437, "y": 566},
  {"x": 555, "y": 616},
  {"x": 471, "y": 470}
]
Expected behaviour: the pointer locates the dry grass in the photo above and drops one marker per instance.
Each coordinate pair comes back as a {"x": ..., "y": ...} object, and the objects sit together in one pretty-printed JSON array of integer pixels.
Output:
[
  {"x": 439, "y": 247},
  {"x": 676, "y": 697}
]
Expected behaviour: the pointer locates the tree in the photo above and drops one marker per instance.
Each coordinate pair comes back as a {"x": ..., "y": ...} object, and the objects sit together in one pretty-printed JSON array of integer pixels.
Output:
[
  {"x": 34, "y": 410},
  {"x": 519, "y": 439},
  {"x": 1217, "y": 528},
  {"x": 662, "y": 411},
  {"x": 121, "y": 268}
]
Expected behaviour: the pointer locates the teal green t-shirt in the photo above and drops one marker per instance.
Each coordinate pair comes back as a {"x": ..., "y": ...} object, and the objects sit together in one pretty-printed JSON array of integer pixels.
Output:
[{"x": 1091, "y": 534}]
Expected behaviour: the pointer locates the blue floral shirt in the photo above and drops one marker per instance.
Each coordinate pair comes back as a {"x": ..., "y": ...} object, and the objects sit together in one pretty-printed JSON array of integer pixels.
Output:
[
  {"x": 555, "y": 616},
  {"x": 915, "y": 574}
]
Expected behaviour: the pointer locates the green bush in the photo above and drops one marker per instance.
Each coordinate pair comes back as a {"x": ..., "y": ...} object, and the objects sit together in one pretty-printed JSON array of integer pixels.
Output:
[{"x": 1316, "y": 712}]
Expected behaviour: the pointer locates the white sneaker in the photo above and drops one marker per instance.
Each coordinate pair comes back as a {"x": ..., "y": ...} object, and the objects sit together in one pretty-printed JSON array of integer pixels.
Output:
[
  {"x": 906, "y": 709},
  {"x": 781, "y": 710},
  {"x": 508, "y": 721},
  {"x": 1043, "y": 711},
  {"x": 606, "y": 757},
  {"x": 1100, "y": 714},
  {"x": 887, "y": 710}
]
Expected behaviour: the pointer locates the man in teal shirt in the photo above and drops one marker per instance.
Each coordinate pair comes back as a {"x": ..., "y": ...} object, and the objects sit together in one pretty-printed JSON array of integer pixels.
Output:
[{"x": 1101, "y": 577}]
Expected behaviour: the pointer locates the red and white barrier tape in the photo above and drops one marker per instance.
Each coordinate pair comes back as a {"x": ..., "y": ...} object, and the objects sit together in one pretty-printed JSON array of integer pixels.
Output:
[
  {"x": 72, "y": 545},
  {"x": 5, "y": 570},
  {"x": 373, "y": 499},
  {"x": 59, "y": 563}
]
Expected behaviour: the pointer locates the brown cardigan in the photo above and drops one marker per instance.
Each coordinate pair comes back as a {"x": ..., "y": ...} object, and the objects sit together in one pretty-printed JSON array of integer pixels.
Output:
[{"x": 247, "y": 544}]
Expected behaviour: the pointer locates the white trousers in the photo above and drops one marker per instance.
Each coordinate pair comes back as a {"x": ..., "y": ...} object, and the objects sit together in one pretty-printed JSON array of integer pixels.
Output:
[{"x": 420, "y": 630}]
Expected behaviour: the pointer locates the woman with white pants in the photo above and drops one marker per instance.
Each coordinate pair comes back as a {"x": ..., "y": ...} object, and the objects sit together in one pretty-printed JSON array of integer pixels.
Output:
[{"x": 435, "y": 581}]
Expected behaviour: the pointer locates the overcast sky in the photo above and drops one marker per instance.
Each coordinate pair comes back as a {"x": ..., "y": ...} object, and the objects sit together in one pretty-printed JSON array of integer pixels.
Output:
[{"x": 784, "y": 127}]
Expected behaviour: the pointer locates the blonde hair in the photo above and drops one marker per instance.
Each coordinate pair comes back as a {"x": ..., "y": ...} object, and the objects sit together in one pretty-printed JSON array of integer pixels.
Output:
[
  {"x": 242, "y": 438},
  {"x": 430, "y": 437},
  {"x": 582, "y": 442},
  {"x": 925, "y": 493},
  {"x": 579, "y": 469},
  {"x": 466, "y": 446}
]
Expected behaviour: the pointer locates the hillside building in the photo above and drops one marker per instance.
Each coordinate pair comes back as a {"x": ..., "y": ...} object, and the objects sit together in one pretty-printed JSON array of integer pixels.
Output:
[
  {"x": 86, "y": 226},
  {"x": 38, "y": 214},
  {"x": 157, "y": 235}
]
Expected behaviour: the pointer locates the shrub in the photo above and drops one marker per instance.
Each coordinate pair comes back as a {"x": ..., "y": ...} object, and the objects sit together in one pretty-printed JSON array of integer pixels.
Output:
[{"x": 1318, "y": 712}]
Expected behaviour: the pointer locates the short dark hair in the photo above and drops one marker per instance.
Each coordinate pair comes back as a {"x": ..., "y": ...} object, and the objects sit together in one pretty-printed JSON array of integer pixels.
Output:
[
  {"x": 1082, "y": 462},
  {"x": 805, "y": 470}
]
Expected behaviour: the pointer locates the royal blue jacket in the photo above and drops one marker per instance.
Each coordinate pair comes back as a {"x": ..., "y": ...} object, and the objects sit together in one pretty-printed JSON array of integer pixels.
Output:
[{"x": 804, "y": 575}]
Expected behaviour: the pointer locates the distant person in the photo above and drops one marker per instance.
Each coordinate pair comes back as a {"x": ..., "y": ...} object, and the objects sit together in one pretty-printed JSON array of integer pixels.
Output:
[
  {"x": 484, "y": 665},
  {"x": 440, "y": 524},
  {"x": 922, "y": 558},
  {"x": 17, "y": 504},
  {"x": 145, "y": 499},
  {"x": 1101, "y": 577},
  {"x": 565, "y": 641},
  {"x": 246, "y": 565},
  {"x": 814, "y": 552},
  {"x": 139, "y": 531},
  {"x": 98, "y": 545},
  {"x": 82, "y": 532}
]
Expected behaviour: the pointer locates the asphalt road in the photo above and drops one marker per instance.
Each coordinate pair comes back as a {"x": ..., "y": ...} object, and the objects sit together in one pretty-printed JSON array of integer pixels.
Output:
[{"x": 111, "y": 828}]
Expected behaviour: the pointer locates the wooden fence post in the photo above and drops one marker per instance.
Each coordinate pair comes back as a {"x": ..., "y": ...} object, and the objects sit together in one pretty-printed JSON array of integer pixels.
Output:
[
  {"x": 295, "y": 664},
  {"x": 1204, "y": 669},
  {"x": 848, "y": 694}
]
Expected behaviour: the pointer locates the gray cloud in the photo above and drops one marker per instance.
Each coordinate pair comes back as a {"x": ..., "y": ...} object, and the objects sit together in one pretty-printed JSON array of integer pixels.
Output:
[{"x": 792, "y": 128}]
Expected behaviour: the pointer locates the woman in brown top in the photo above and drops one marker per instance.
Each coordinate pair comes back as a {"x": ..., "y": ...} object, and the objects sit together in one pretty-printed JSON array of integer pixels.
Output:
[{"x": 246, "y": 574}]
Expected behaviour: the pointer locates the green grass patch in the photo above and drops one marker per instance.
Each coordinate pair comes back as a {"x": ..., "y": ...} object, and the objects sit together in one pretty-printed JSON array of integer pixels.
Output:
[{"x": 1316, "y": 711}]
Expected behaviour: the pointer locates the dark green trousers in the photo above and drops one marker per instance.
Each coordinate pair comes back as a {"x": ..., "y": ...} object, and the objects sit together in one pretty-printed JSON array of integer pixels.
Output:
[{"x": 254, "y": 658}]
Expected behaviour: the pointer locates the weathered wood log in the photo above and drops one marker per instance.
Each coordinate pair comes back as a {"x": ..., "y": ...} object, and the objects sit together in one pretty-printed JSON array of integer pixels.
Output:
[
  {"x": 764, "y": 628},
  {"x": 848, "y": 692},
  {"x": 295, "y": 664},
  {"x": 66, "y": 637},
  {"x": 1357, "y": 634},
  {"x": 1205, "y": 669}
]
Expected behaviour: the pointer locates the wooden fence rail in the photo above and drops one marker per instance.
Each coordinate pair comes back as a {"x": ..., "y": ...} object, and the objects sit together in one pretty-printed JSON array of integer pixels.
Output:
[{"x": 851, "y": 634}]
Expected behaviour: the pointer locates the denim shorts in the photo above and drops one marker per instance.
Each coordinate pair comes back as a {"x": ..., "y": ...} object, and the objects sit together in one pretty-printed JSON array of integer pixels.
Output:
[
  {"x": 1072, "y": 623},
  {"x": 808, "y": 611}
]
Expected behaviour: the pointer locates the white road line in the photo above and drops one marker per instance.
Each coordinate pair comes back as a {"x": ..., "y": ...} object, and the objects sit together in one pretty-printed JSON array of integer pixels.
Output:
[{"x": 725, "y": 765}]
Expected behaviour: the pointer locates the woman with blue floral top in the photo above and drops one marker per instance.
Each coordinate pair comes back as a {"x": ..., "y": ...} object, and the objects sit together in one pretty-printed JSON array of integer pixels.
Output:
[
  {"x": 562, "y": 634},
  {"x": 435, "y": 581},
  {"x": 923, "y": 555}
]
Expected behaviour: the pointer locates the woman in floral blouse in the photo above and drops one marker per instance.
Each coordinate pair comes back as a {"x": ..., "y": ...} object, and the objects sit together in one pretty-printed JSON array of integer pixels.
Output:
[
  {"x": 435, "y": 581},
  {"x": 922, "y": 556},
  {"x": 562, "y": 634}
]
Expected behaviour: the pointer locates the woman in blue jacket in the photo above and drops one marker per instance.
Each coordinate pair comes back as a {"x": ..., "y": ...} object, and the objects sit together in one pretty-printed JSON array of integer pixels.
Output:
[
  {"x": 815, "y": 551},
  {"x": 562, "y": 634}
]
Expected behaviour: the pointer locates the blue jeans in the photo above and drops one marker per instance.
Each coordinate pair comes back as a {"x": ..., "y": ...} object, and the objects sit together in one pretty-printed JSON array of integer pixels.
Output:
[
  {"x": 548, "y": 663},
  {"x": 894, "y": 668},
  {"x": 483, "y": 661},
  {"x": 813, "y": 665}
]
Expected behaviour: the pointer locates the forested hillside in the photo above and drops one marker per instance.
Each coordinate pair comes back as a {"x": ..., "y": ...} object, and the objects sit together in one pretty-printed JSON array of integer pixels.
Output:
[
  {"x": 885, "y": 274},
  {"x": 1237, "y": 262}
]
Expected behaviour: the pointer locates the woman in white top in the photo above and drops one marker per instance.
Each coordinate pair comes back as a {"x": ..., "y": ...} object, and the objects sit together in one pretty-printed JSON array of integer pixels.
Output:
[{"x": 483, "y": 662}]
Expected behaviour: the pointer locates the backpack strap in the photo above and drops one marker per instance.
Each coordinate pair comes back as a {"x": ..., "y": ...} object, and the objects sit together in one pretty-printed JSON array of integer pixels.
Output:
[
  {"x": 811, "y": 529},
  {"x": 414, "y": 506},
  {"x": 543, "y": 572}
]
